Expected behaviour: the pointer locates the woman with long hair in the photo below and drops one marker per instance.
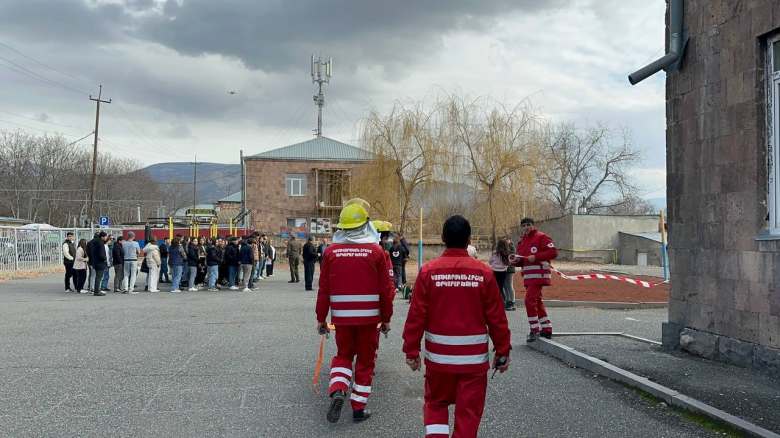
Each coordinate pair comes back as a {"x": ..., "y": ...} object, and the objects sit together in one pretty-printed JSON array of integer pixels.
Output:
[
  {"x": 80, "y": 266},
  {"x": 499, "y": 262}
]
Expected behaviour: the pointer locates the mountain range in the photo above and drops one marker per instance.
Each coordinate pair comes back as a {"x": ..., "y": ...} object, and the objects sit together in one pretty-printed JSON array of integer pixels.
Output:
[{"x": 215, "y": 180}]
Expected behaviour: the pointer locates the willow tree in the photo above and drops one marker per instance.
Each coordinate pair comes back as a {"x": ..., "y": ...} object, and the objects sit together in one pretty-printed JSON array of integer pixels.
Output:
[
  {"x": 406, "y": 143},
  {"x": 498, "y": 143}
]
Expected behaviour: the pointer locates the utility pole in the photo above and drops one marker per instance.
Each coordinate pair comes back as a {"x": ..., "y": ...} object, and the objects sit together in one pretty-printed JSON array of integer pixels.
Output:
[
  {"x": 92, "y": 189},
  {"x": 243, "y": 189},
  {"x": 195, "y": 183},
  {"x": 321, "y": 72}
]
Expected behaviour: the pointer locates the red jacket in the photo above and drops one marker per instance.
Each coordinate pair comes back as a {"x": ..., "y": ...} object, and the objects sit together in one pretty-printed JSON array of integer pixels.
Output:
[
  {"x": 456, "y": 305},
  {"x": 356, "y": 285},
  {"x": 543, "y": 249}
]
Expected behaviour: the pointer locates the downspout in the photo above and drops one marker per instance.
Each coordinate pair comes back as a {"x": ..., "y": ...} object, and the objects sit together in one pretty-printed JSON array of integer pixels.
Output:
[{"x": 678, "y": 40}]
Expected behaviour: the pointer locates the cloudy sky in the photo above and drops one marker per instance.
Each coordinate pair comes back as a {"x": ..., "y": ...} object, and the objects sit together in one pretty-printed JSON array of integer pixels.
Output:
[{"x": 168, "y": 66}]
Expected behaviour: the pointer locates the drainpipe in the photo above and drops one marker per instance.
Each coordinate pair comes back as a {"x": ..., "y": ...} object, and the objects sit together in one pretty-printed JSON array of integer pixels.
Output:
[{"x": 678, "y": 40}]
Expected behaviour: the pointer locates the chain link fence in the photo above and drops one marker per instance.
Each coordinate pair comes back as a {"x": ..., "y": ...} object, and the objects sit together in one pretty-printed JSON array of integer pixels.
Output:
[{"x": 24, "y": 249}]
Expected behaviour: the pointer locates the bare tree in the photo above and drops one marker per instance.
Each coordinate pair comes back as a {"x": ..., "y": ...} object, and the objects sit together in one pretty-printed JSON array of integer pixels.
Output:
[
  {"x": 406, "y": 144},
  {"x": 581, "y": 168},
  {"x": 498, "y": 142}
]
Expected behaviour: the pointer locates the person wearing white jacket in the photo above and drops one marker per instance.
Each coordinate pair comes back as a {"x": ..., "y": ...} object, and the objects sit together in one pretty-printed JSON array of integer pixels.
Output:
[
  {"x": 80, "y": 266},
  {"x": 153, "y": 262}
]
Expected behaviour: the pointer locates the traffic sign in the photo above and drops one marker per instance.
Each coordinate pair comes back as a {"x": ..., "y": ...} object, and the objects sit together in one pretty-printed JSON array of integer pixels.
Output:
[{"x": 104, "y": 221}]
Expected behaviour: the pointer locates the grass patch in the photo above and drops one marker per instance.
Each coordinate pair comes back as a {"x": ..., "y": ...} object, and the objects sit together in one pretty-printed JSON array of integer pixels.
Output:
[{"x": 701, "y": 420}]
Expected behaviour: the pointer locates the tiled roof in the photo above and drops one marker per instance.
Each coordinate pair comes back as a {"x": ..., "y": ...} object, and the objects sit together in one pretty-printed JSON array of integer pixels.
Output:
[{"x": 316, "y": 149}]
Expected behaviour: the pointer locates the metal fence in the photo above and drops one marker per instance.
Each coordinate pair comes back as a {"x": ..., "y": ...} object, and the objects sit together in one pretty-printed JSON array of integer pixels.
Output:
[{"x": 24, "y": 249}]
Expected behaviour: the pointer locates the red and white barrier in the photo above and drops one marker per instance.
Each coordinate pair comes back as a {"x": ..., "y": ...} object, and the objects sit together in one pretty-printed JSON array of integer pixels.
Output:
[{"x": 633, "y": 281}]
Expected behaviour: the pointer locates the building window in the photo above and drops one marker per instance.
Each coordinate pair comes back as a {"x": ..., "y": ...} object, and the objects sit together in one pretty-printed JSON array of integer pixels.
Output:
[
  {"x": 773, "y": 133},
  {"x": 296, "y": 185}
]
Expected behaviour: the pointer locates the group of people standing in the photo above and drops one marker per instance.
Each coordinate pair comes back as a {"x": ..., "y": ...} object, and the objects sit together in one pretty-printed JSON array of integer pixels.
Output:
[{"x": 184, "y": 262}]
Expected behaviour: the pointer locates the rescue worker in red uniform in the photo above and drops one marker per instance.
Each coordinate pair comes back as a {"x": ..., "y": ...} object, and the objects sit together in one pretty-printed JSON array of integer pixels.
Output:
[
  {"x": 456, "y": 306},
  {"x": 534, "y": 253},
  {"x": 356, "y": 286}
]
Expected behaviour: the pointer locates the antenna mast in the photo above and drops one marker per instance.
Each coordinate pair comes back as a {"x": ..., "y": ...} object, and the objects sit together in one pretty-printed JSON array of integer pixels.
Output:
[{"x": 321, "y": 72}]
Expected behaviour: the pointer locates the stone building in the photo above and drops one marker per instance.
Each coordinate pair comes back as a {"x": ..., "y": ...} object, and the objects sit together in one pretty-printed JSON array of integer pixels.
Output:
[
  {"x": 723, "y": 114},
  {"x": 300, "y": 188}
]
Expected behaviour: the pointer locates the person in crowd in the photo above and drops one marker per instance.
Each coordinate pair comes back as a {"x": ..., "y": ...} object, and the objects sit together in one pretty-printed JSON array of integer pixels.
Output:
[
  {"x": 257, "y": 253},
  {"x": 185, "y": 278},
  {"x": 499, "y": 261},
  {"x": 457, "y": 319},
  {"x": 106, "y": 273},
  {"x": 269, "y": 263},
  {"x": 293, "y": 257},
  {"x": 80, "y": 262},
  {"x": 509, "y": 287},
  {"x": 130, "y": 251},
  {"x": 164, "y": 254},
  {"x": 213, "y": 260},
  {"x": 68, "y": 259},
  {"x": 233, "y": 262},
  {"x": 263, "y": 242},
  {"x": 178, "y": 260},
  {"x": 321, "y": 249},
  {"x": 407, "y": 251},
  {"x": 192, "y": 262},
  {"x": 118, "y": 260},
  {"x": 534, "y": 253},
  {"x": 91, "y": 274},
  {"x": 472, "y": 251},
  {"x": 200, "y": 278},
  {"x": 397, "y": 257},
  {"x": 309, "y": 260},
  {"x": 98, "y": 259},
  {"x": 153, "y": 262},
  {"x": 247, "y": 263}
]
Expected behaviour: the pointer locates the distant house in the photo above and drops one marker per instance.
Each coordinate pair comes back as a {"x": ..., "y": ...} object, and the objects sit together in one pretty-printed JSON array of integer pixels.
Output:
[{"x": 301, "y": 188}]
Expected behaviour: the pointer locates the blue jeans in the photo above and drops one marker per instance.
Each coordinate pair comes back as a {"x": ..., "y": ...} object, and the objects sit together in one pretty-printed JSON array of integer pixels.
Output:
[
  {"x": 177, "y": 271},
  {"x": 104, "y": 282},
  {"x": 256, "y": 270},
  {"x": 164, "y": 269},
  {"x": 232, "y": 272},
  {"x": 193, "y": 274},
  {"x": 213, "y": 274}
]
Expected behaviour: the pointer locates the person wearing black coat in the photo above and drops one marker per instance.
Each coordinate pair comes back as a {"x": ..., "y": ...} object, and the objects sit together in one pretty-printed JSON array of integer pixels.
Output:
[
  {"x": 232, "y": 261},
  {"x": 118, "y": 260},
  {"x": 98, "y": 259},
  {"x": 309, "y": 260},
  {"x": 192, "y": 263},
  {"x": 214, "y": 258}
]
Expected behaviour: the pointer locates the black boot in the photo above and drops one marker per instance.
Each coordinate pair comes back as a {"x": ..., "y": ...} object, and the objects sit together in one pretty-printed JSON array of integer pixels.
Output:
[
  {"x": 336, "y": 403},
  {"x": 532, "y": 337},
  {"x": 547, "y": 335},
  {"x": 361, "y": 415}
]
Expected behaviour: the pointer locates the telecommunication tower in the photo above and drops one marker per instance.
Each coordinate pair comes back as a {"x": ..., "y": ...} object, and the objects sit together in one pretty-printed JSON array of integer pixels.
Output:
[{"x": 321, "y": 72}]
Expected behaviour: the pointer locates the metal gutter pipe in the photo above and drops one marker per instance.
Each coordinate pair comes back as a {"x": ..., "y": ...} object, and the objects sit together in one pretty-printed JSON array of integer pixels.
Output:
[{"x": 677, "y": 43}]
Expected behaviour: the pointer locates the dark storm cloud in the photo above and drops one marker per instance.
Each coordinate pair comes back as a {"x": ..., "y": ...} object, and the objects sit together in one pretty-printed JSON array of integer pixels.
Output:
[{"x": 274, "y": 35}]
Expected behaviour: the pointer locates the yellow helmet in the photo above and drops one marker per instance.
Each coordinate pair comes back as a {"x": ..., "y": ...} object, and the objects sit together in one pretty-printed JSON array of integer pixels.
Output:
[
  {"x": 382, "y": 226},
  {"x": 359, "y": 201},
  {"x": 352, "y": 216}
]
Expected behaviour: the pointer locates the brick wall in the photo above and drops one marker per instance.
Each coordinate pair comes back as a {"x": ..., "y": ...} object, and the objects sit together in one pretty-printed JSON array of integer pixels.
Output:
[
  {"x": 724, "y": 280},
  {"x": 266, "y": 193}
]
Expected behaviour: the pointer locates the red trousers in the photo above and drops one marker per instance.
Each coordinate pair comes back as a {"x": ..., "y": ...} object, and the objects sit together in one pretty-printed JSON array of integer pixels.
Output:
[
  {"x": 466, "y": 391},
  {"x": 534, "y": 307},
  {"x": 354, "y": 340}
]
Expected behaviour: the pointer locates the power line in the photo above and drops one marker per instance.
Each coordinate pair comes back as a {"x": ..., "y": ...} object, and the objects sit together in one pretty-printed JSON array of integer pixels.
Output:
[
  {"x": 27, "y": 72},
  {"x": 41, "y": 63},
  {"x": 37, "y": 120}
]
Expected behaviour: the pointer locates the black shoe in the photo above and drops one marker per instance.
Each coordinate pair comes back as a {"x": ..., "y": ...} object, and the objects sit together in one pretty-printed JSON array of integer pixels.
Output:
[
  {"x": 337, "y": 402},
  {"x": 532, "y": 337},
  {"x": 291, "y": 281},
  {"x": 99, "y": 294},
  {"x": 510, "y": 308},
  {"x": 361, "y": 415},
  {"x": 547, "y": 335}
]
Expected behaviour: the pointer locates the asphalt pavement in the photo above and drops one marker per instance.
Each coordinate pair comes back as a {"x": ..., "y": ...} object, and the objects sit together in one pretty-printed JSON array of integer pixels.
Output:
[{"x": 240, "y": 364}]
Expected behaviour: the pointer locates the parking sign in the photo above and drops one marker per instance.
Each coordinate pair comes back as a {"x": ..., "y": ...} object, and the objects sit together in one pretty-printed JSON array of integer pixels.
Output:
[{"x": 104, "y": 221}]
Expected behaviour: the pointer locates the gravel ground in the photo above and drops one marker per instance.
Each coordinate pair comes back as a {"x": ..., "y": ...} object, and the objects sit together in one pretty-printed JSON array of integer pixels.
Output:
[{"x": 240, "y": 364}]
